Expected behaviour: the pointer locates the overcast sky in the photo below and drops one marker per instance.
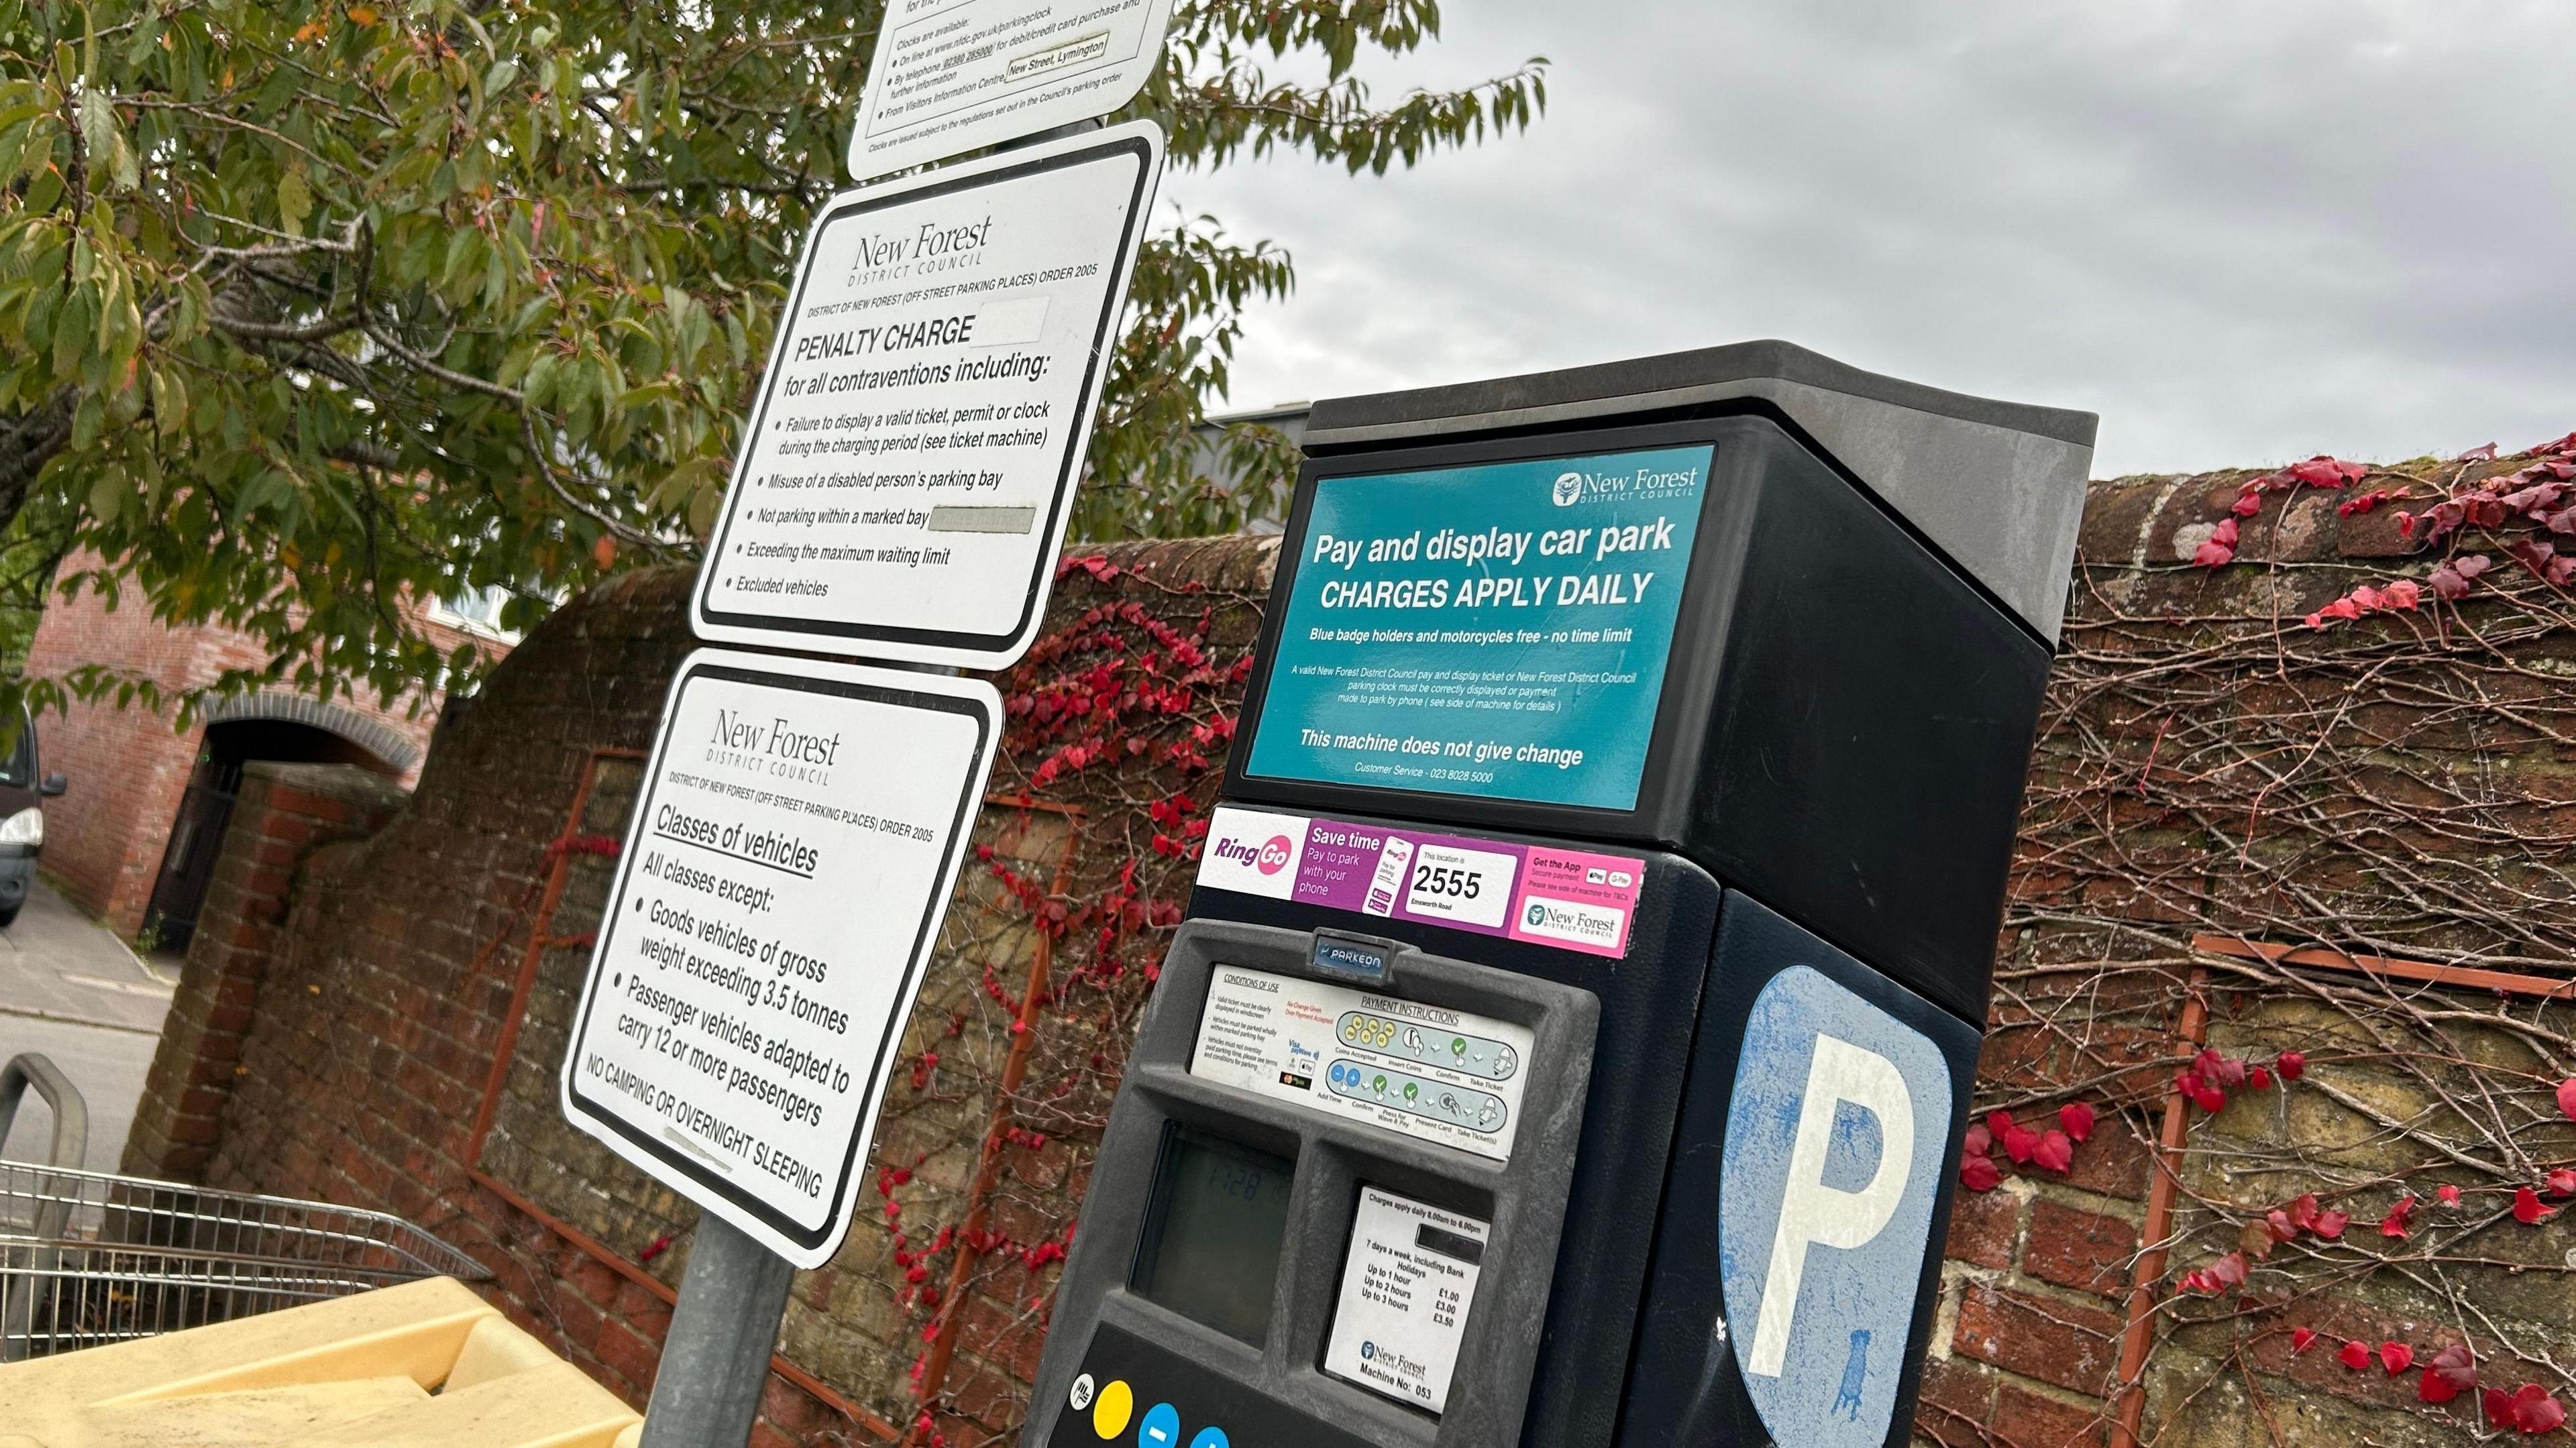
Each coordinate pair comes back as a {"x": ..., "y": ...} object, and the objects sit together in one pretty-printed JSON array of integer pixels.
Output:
[{"x": 2241, "y": 233}]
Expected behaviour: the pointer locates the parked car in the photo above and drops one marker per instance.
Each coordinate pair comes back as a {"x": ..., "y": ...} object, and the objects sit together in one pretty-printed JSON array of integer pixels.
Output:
[{"x": 23, "y": 793}]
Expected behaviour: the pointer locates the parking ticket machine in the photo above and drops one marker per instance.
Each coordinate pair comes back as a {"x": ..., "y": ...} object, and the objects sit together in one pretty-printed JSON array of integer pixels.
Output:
[{"x": 1571, "y": 1036}]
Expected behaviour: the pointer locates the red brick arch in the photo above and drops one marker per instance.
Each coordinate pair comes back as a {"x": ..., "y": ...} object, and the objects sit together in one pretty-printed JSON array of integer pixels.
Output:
[{"x": 372, "y": 735}]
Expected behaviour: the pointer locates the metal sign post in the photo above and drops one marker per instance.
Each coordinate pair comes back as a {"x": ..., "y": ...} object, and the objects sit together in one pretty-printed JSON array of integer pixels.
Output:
[
  {"x": 715, "y": 1363},
  {"x": 736, "y": 1034}
]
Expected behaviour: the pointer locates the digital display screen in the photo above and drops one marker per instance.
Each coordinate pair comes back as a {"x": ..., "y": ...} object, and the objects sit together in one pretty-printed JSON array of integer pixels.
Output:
[
  {"x": 1495, "y": 629},
  {"x": 1212, "y": 1238}
]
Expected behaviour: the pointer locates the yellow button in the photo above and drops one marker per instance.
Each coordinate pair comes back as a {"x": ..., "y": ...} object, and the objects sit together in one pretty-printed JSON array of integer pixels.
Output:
[{"x": 1109, "y": 1415}]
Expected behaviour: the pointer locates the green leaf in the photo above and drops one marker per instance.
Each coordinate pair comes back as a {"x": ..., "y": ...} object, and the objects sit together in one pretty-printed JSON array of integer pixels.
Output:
[
  {"x": 97, "y": 123},
  {"x": 294, "y": 200},
  {"x": 72, "y": 332},
  {"x": 540, "y": 379},
  {"x": 44, "y": 190},
  {"x": 108, "y": 491},
  {"x": 169, "y": 401}
]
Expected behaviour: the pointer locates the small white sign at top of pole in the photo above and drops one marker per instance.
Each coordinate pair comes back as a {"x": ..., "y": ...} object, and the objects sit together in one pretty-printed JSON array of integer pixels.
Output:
[{"x": 952, "y": 76}]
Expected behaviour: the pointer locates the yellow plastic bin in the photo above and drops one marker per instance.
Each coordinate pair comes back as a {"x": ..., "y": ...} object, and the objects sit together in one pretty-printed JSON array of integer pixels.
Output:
[{"x": 424, "y": 1365}]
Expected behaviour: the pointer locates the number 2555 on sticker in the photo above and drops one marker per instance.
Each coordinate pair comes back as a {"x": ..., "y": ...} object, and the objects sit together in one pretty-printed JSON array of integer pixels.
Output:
[{"x": 1453, "y": 884}]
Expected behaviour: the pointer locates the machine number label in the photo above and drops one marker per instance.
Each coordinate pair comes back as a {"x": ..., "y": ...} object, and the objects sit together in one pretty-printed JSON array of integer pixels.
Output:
[
  {"x": 1441, "y": 1075},
  {"x": 1407, "y": 1287},
  {"x": 1455, "y": 884}
]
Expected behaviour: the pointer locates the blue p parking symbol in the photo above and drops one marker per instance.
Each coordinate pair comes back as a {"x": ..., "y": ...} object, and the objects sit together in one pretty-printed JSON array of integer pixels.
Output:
[{"x": 1834, "y": 1143}]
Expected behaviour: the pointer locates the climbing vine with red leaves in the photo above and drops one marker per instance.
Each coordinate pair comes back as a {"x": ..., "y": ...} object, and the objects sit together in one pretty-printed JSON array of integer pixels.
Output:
[
  {"x": 1116, "y": 729},
  {"x": 2337, "y": 729}
]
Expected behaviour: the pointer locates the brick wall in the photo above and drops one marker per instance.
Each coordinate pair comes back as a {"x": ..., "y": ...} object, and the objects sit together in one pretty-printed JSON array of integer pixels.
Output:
[
  {"x": 129, "y": 766},
  {"x": 2212, "y": 772},
  {"x": 2032, "y": 1305},
  {"x": 407, "y": 971}
]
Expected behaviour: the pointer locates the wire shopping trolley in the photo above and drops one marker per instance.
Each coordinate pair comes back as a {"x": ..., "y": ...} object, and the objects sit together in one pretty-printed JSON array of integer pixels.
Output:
[{"x": 92, "y": 1257}]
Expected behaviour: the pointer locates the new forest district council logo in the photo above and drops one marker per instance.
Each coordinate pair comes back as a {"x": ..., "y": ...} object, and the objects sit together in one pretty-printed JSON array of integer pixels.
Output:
[{"x": 1569, "y": 489}]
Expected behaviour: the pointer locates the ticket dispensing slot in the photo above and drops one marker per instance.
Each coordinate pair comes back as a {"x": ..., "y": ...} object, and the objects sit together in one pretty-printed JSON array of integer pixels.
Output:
[{"x": 1337, "y": 1174}]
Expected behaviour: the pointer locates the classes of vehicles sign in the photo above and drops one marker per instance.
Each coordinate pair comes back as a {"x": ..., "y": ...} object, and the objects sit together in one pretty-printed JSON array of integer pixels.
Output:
[
  {"x": 904, "y": 480},
  {"x": 776, "y": 903}
]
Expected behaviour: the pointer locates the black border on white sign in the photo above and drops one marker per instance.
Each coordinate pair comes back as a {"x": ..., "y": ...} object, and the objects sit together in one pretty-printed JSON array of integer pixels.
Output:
[
  {"x": 1142, "y": 140},
  {"x": 971, "y": 698}
]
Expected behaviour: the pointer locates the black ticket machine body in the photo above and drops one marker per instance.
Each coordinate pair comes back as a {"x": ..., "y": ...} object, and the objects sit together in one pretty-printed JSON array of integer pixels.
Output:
[{"x": 1571, "y": 1037}]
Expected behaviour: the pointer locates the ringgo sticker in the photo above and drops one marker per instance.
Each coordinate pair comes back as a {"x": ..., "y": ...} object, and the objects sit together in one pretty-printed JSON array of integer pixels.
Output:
[{"x": 1569, "y": 899}]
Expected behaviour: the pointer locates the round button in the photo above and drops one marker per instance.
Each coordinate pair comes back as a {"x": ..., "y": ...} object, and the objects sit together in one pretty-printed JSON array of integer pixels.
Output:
[
  {"x": 1081, "y": 1392},
  {"x": 1161, "y": 1428},
  {"x": 1210, "y": 1438},
  {"x": 1117, "y": 1404}
]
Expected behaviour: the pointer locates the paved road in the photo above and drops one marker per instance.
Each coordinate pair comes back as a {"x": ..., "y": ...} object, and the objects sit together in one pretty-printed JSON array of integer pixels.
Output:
[{"x": 72, "y": 990}]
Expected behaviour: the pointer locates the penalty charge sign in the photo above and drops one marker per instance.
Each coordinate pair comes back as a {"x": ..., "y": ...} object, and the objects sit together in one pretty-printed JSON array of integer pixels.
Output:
[{"x": 905, "y": 479}]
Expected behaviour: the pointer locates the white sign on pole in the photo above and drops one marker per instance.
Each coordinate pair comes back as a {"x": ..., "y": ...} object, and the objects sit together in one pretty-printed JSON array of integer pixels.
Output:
[
  {"x": 907, "y": 475},
  {"x": 784, "y": 877},
  {"x": 952, "y": 76}
]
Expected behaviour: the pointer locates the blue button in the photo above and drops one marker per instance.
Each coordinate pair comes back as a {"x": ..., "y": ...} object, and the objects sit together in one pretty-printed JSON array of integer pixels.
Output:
[
  {"x": 1210, "y": 1438},
  {"x": 1161, "y": 1428}
]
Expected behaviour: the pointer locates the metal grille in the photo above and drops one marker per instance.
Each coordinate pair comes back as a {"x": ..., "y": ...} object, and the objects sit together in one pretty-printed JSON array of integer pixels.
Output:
[{"x": 93, "y": 1257}]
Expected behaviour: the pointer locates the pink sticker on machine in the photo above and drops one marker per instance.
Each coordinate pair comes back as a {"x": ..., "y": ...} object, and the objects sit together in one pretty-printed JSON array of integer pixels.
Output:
[{"x": 1562, "y": 898}]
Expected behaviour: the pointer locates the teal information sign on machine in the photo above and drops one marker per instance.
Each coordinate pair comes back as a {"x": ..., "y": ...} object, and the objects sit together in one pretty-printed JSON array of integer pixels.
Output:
[{"x": 1498, "y": 629}]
